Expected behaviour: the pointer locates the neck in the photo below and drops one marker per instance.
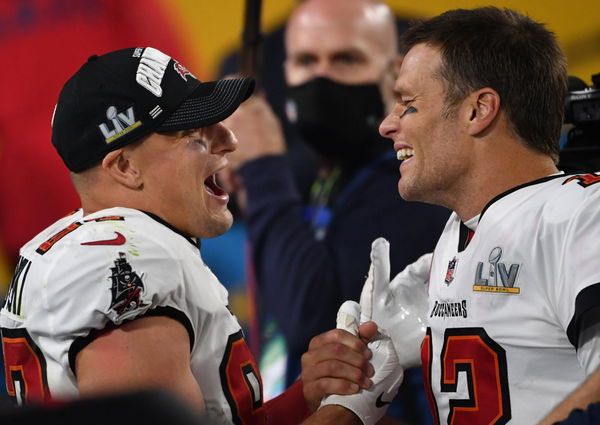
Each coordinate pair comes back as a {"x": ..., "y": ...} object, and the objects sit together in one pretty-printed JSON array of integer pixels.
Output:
[
  {"x": 101, "y": 197},
  {"x": 501, "y": 171}
]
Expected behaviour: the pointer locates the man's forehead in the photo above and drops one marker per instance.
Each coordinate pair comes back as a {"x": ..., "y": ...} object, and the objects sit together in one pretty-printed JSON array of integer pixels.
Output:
[
  {"x": 323, "y": 27},
  {"x": 310, "y": 38},
  {"x": 421, "y": 63},
  {"x": 422, "y": 56}
]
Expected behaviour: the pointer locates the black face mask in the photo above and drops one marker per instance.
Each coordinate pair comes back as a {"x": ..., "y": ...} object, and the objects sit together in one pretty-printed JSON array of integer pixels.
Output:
[{"x": 339, "y": 121}]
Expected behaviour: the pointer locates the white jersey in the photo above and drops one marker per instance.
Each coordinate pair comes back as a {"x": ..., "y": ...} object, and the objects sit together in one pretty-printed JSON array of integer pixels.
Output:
[
  {"x": 505, "y": 311},
  {"x": 83, "y": 274}
]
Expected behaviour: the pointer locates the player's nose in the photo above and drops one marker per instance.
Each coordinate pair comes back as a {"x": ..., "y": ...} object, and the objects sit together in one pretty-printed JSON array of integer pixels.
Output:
[
  {"x": 224, "y": 140},
  {"x": 389, "y": 126}
]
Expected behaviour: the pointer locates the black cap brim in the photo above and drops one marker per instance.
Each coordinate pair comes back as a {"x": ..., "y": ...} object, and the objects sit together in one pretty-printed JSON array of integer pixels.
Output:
[{"x": 209, "y": 104}]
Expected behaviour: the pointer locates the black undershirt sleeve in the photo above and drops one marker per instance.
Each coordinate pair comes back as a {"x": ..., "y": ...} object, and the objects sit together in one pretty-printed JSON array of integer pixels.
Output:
[
  {"x": 587, "y": 313},
  {"x": 80, "y": 343}
]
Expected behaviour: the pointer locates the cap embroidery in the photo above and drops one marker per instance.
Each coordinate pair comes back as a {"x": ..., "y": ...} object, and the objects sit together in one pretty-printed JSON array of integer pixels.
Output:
[
  {"x": 156, "y": 111},
  {"x": 182, "y": 70},
  {"x": 122, "y": 123},
  {"x": 151, "y": 70}
]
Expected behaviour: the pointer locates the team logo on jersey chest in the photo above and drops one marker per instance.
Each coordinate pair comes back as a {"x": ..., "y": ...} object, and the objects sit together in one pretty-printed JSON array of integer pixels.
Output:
[
  {"x": 126, "y": 288},
  {"x": 500, "y": 278}
]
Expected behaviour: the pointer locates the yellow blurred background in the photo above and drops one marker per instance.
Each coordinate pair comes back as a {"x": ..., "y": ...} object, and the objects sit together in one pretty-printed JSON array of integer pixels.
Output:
[{"x": 213, "y": 28}]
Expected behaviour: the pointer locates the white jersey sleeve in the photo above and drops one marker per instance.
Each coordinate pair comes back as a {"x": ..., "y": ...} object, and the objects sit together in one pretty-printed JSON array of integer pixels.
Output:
[
  {"x": 578, "y": 269},
  {"x": 588, "y": 351},
  {"x": 99, "y": 273},
  {"x": 120, "y": 286},
  {"x": 84, "y": 274},
  {"x": 578, "y": 290}
]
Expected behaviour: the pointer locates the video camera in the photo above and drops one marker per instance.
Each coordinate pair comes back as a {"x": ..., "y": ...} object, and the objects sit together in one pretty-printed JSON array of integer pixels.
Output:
[{"x": 581, "y": 150}]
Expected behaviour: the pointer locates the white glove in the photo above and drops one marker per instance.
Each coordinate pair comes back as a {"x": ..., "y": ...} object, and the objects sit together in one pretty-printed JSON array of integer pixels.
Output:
[
  {"x": 370, "y": 405},
  {"x": 398, "y": 307}
]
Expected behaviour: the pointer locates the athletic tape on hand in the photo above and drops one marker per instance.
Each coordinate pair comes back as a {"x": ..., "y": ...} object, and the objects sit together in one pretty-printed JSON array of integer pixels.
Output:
[
  {"x": 370, "y": 405},
  {"x": 398, "y": 307},
  {"x": 377, "y": 280},
  {"x": 347, "y": 317}
]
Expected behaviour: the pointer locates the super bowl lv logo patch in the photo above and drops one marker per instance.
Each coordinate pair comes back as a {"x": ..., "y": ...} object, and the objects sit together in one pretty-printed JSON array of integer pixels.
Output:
[
  {"x": 127, "y": 287},
  {"x": 500, "y": 278},
  {"x": 121, "y": 122}
]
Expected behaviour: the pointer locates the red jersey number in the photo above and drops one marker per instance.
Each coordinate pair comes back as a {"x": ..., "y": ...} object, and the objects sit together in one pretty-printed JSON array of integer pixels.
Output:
[
  {"x": 24, "y": 367},
  {"x": 472, "y": 351},
  {"x": 584, "y": 180},
  {"x": 241, "y": 382}
]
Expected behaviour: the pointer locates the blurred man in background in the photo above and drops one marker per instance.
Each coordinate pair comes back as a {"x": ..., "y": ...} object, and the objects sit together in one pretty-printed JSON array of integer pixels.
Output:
[{"x": 341, "y": 63}]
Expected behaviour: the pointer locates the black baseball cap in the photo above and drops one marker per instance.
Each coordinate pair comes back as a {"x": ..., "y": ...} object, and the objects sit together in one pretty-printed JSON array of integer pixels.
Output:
[{"x": 120, "y": 97}]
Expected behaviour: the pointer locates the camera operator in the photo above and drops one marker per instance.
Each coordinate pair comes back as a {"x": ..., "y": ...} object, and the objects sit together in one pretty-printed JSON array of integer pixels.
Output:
[{"x": 580, "y": 149}]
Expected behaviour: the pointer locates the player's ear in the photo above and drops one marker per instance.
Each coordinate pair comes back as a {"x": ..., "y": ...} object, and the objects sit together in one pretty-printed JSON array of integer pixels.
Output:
[
  {"x": 122, "y": 167},
  {"x": 484, "y": 107}
]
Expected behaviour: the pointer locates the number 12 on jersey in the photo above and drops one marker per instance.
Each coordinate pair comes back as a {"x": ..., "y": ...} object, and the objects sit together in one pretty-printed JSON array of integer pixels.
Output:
[{"x": 483, "y": 362}]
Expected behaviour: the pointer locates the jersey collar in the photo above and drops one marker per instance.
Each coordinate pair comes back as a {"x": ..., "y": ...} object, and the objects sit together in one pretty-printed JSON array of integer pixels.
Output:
[
  {"x": 173, "y": 228},
  {"x": 521, "y": 186}
]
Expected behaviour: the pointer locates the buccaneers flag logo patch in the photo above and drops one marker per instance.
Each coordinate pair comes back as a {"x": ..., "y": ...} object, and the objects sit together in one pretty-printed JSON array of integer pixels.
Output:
[
  {"x": 126, "y": 288},
  {"x": 182, "y": 70}
]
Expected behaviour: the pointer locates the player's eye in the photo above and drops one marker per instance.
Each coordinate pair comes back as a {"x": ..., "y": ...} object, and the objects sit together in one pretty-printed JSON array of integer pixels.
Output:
[
  {"x": 407, "y": 107},
  {"x": 196, "y": 139},
  {"x": 201, "y": 142}
]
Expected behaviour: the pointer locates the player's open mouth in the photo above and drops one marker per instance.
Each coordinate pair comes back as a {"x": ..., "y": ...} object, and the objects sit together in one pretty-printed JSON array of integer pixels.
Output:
[
  {"x": 405, "y": 153},
  {"x": 213, "y": 188}
]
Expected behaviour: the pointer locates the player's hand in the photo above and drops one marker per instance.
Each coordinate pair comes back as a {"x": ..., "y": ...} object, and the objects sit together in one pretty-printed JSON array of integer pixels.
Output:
[
  {"x": 370, "y": 404},
  {"x": 257, "y": 130},
  {"x": 400, "y": 306},
  {"x": 337, "y": 362}
]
